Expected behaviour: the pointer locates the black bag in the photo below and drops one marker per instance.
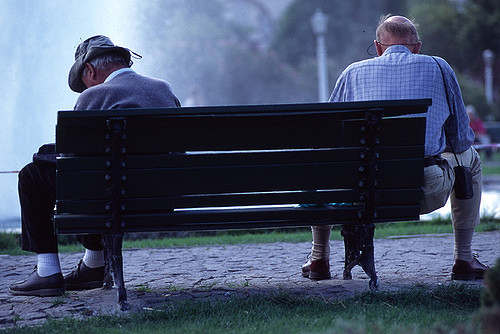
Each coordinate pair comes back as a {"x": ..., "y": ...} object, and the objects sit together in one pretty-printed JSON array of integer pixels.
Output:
[{"x": 463, "y": 182}]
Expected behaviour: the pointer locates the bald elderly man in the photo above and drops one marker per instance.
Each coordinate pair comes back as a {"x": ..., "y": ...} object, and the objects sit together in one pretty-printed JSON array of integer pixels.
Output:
[{"x": 400, "y": 72}]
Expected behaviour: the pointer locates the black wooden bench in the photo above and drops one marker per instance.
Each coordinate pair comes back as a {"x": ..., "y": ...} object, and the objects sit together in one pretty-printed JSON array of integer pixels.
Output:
[{"x": 240, "y": 167}]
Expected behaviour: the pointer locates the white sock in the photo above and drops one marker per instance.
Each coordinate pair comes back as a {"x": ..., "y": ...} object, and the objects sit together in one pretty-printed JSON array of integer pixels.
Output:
[
  {"x": 321, "y": 242},
  {"x": 48, "y": 264},
  {"x": 94, "y": 259},
  {"x": 463, "y": 245}
]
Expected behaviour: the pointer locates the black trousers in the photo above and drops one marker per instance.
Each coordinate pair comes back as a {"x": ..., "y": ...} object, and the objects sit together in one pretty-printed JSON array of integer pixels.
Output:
[{"x": 37, "y": 196}]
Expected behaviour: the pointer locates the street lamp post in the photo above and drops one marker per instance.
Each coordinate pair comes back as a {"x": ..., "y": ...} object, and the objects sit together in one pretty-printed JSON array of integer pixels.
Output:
[
  {"x": 319, "y": 22},
  {"x": 488, "y": 56}
]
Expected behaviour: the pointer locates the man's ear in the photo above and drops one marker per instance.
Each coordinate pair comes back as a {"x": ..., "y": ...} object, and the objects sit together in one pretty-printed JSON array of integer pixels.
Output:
[
  {"x": 416, "y": 47},
  {"x": 378, "y": 47},
  {"x": 91, "y": 73}
]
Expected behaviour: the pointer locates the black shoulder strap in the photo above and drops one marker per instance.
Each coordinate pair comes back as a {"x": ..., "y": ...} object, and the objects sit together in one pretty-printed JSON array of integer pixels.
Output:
[
  {"x": 448, "y": 102},
  {"x": 444, "y": 84}
]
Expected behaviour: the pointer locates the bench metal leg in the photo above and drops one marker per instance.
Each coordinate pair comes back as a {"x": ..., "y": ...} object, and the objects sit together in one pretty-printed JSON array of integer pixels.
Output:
[
  {"x": 358, "y": 241},
  {"x": 108, "y": 275},
  {"x": 351, "y": 245},
  {"x": 113, "y": 245},
  {"x": 367, "y": 259}
]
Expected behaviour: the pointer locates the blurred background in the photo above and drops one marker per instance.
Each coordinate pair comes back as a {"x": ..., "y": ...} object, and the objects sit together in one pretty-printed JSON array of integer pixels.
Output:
[{"x": 220, "y": 52}]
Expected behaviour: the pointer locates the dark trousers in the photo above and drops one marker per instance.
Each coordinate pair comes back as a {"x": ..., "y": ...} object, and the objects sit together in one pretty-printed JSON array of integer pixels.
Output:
[{"x": 37, "y": 196}]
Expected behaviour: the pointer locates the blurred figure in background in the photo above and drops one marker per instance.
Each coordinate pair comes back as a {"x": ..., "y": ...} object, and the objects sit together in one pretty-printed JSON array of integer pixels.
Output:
[{"x": 481, "y": 134}]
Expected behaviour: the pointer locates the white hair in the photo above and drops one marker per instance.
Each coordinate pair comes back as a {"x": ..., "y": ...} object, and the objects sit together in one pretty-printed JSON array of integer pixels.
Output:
[{"x": 103, "y": 61}]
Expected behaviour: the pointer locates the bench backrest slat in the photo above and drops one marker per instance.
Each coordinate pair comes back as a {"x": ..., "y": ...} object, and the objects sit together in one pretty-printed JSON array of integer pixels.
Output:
[
  {"x": 177, "y": 134},
  {"x": 164, "y": 182},
  {"x": 228, "y": 158}
]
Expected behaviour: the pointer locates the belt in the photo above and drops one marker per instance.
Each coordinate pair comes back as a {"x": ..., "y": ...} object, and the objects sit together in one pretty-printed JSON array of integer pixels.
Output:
[{"x": 433, "y": 160}]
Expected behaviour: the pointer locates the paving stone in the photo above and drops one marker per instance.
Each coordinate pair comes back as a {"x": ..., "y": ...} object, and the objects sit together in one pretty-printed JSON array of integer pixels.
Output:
[{"x": 155, "y": 277}]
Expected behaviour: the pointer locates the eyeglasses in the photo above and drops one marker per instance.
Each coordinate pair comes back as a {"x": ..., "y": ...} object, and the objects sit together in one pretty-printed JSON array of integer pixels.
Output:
[
  {"x": 413, "y": 44},
  {"x": 371, "y": 53}
]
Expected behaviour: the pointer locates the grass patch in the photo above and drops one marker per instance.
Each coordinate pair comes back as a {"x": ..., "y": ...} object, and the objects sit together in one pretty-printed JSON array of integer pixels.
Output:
[
  {"x": 417, "y": 310},
  {"x": 9, "y": 243},
  {"x": 490, "y": 166},
  {"x": 490, "y": 170},
  {"x": 494, "y": 157}
]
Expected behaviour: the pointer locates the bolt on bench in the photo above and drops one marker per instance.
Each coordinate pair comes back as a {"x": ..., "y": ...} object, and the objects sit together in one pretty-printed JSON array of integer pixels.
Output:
[{"x": 240, "y": 167}]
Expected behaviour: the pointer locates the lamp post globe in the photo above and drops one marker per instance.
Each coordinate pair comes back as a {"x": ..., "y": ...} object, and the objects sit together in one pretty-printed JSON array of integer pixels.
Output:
[
  {"x": 488, "y": 56},
  {"x": 319, "y": 22}
]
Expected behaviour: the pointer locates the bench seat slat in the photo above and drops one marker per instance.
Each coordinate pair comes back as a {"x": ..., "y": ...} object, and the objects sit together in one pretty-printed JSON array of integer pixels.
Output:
[
  {"x": 212, "y": 200},
  {"x": 208, "y": 219},
  {"x": 152, "y": 204},
  {"x": 230, "y": 219}
]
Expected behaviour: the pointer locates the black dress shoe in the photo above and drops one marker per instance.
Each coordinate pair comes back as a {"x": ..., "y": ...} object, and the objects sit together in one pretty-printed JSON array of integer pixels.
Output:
[
  {"x": 36, "y": 285},
  {"x": 465, "y": 271},
  {"x": 84, "y": 278},
  {"x": 317, "y": 269}
]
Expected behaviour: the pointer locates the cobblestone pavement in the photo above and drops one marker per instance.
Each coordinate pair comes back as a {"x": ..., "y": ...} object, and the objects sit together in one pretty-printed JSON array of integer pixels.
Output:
[{"x": 155, "y": 276}]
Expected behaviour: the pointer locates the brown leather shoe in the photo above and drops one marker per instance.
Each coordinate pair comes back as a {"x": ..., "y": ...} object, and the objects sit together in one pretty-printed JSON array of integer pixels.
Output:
[
  {"x": 465, "y": 271},
  {"x": 84, "y": 278},
  {"x": 317, "y": 269},
  {"x": 36, "y": 285}
]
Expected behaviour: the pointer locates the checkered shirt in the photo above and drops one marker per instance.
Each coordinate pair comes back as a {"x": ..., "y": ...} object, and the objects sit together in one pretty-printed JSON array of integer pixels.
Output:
[{"x": 400, "y": 74}]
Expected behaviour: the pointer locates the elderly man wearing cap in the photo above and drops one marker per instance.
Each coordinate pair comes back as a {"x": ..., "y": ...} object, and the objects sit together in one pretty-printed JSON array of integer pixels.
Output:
[{"x": 102, "y": 74}]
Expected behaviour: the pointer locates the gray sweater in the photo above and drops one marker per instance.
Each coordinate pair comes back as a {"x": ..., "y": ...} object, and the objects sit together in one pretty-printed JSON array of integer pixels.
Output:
[{"x": 128, "y": 90}]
